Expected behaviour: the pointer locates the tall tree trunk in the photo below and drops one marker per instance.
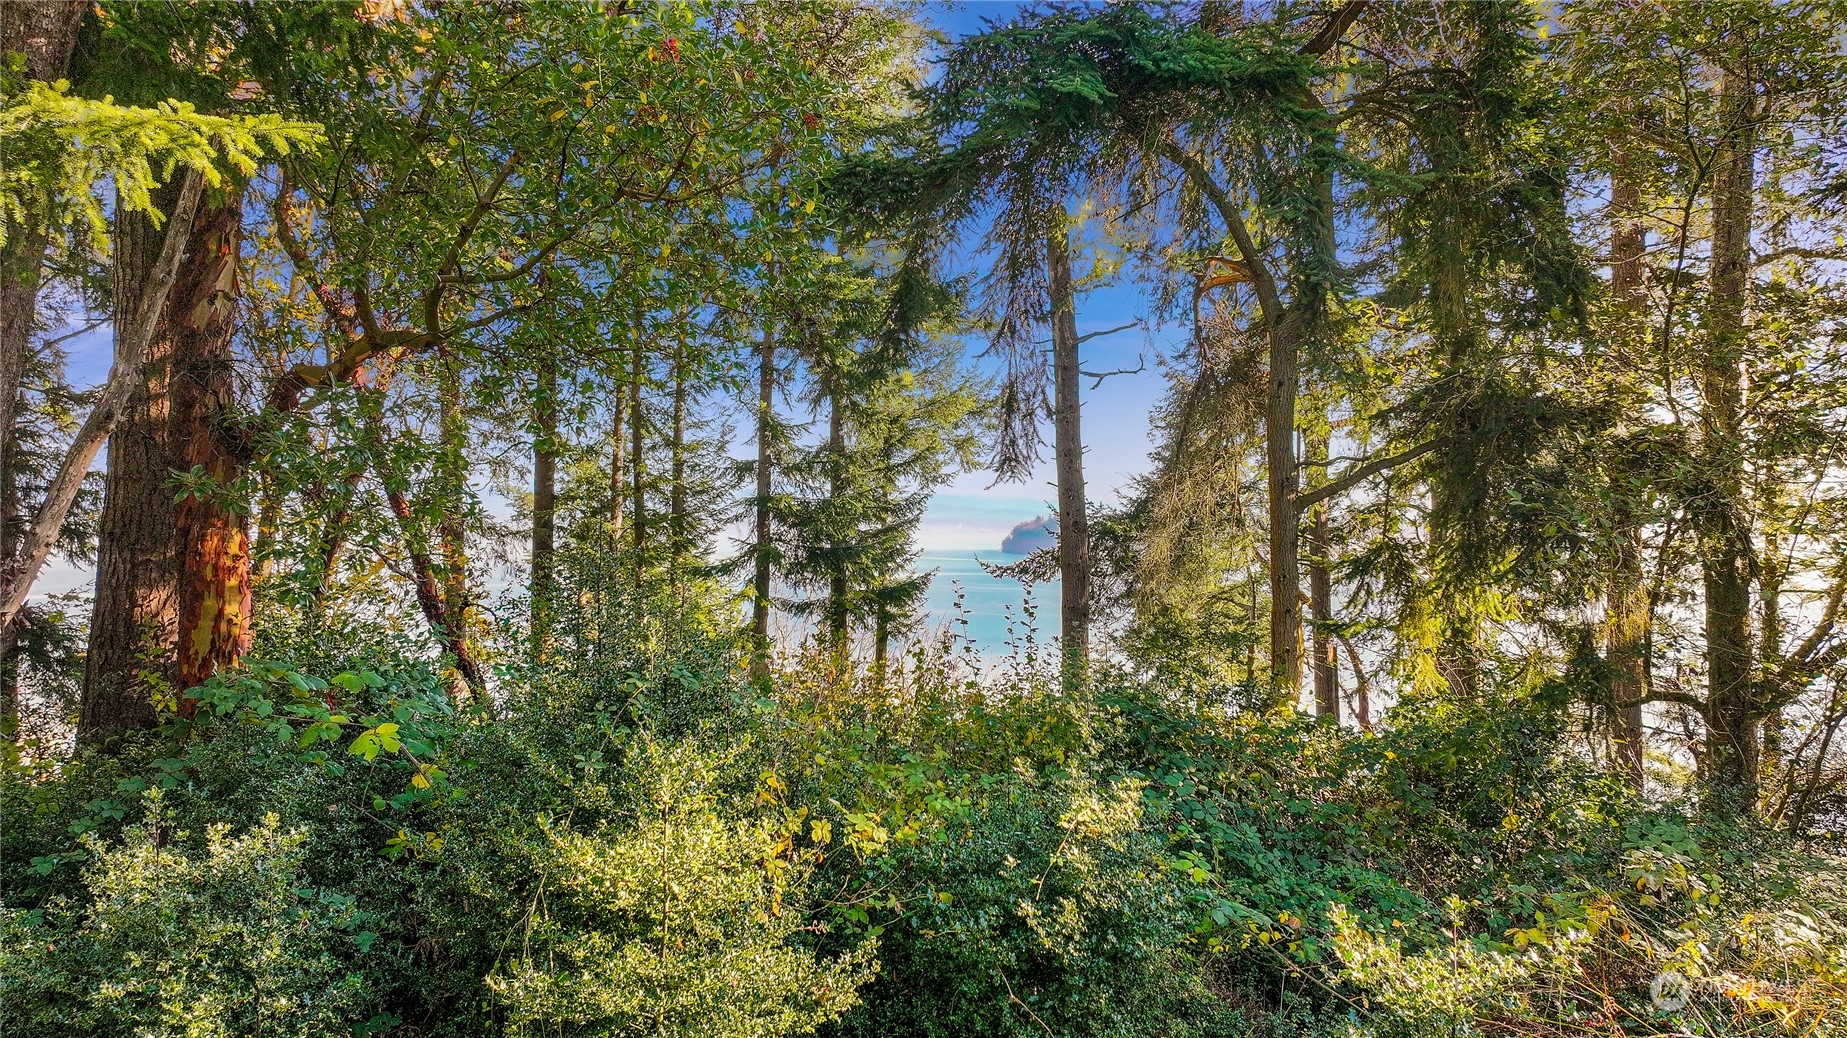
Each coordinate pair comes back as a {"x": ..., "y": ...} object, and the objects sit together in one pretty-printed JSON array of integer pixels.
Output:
[
  {"x": 1284, "y": 520},
  {"x": 766, "y": 458},
  {"x": 135, "y": 612},
  {"x": 213, "y": 598},
  {"x": 881, "y": 646},
  {"x": 1731, "y": 713},
  {"x": 544, "y": 502},
  {"x": 1626, "y": 617},
  {"x": 1068, "y": 446},
  {"x": 1772, "y": 568},
  {"x": 676, "y": 504},
  {"x": 451, "y": 488},
  {"x": 638, "y": 474},
  {"x": 618, "y": 447},
  {"x": 836, "y": 487},
  {"x": 10, "y": 520},
  {"x": 1287, "y": 326},
  {"x": 1321, "y": 592},
  {"x": 44, "y": 33}
]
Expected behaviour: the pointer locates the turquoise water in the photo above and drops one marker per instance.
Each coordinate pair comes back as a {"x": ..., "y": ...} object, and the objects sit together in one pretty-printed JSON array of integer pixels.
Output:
[{"x": 987, "y": 602}]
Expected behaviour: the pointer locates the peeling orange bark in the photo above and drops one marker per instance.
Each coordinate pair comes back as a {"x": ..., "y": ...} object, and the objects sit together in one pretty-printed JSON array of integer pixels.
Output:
[{"x": 213, "y": 542}]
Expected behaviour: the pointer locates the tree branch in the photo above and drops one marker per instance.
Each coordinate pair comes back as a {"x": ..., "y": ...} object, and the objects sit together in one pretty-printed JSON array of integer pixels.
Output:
[
  {"x": 1267, "y": 295},
  {"x": 1337, "y": 26},
  {"x": 1101, "y": 375},
  {"x": 1348, "y": 480}
]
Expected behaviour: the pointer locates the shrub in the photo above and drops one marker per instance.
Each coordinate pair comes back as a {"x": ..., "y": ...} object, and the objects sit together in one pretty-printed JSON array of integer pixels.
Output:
[{"x": 218, "y": 939}]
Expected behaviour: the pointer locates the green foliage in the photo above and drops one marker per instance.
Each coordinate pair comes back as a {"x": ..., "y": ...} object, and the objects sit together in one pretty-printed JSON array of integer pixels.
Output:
[
  {"x": 637, "y": 840},
  {"x": 223, "y": 936},
  {"x": 684, "y": 922},
  {"x": 60, "y": 148}
]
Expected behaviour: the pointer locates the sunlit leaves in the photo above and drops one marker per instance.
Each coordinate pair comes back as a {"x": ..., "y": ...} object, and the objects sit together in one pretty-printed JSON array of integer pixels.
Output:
[{"x": 60, "y": 149}]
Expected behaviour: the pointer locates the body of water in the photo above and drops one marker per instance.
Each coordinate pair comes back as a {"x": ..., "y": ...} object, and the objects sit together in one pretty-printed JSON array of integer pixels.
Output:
[{"x": 988, "y": 603}]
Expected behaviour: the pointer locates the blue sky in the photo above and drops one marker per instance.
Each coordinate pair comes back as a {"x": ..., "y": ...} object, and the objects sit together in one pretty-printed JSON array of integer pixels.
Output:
[{"x": 971, "y": 513}]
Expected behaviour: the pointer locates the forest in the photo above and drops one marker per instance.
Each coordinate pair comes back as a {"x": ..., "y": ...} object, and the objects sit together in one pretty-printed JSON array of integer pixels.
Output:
[{"x": 465, "y": 467}]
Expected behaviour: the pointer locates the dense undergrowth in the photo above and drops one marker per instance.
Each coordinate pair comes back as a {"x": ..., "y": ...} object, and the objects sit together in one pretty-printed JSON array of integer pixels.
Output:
[{"x": 634, "y": 838}]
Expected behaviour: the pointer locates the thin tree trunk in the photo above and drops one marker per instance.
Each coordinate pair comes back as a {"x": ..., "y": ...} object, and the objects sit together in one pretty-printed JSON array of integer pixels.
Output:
[
  {"x": 1068, "y": 446},
  {"x": 1772, "y": 568},
  {"x": 836, "y": 486},
  {"x": 214, "y": 591},
  {"x": 10, "y": 520},
  {"x": 451, "y": 487},
  {"x": 333, "y": 542},
  {"x": 881, "y": 646},
  {"x": 766, "y": 458},
  {"x": 1286, "y": 325},
  {"x": 544, "y": 503},
  {"x": 677, "y": 523},
  {"x": 638, "y": 525},
  {"x": 426, "y": 581},
  {"x": 618, "y": 482},
  {"x": 21, "y": 259},
  {"x": 44, "y": 32},
  {"x": 1321, "y": 593},
  {"x": 1626, "y": 620},
  {"x": 1362, "y": 689},
  {"x": 1732, "y": 716},
  {"x": 429, "y": 590}
]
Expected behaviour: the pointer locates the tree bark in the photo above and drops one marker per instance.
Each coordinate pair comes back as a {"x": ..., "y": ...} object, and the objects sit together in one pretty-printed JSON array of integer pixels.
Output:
[
  {"x": 44, "y": 32},
  {"x": 451, "y": 487},
  {"x": 618, "y": 482},
  {"x": 836, "y": 480},
  {"x": 638, "y": 475},
  {"x": 1626, "y": 617},
  {"x": 135, "y": 611},
  {"x": 1068, "y": 446},
  {"x": 213, "y": 596},
  {"x": 1731, "y": 714},
  {"x": 10, "y": 520},
  {"x": 677, "y": 516},
  {"x": 1284, "y": 326},
  {"x": 544, "y": 502},
  {"x": 1321, "y": 594},
  {"x": 766, "y": 458},
  {"x": 1285, "y": 567}
]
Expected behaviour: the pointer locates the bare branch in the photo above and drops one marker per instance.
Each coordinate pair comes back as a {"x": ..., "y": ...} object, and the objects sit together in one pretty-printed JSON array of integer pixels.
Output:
[{"x": 1101, "y": 375}]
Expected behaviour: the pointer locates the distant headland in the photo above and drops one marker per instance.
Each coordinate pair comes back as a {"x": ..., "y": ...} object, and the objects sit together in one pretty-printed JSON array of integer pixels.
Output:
[{"x": 1028, "y": 537}]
